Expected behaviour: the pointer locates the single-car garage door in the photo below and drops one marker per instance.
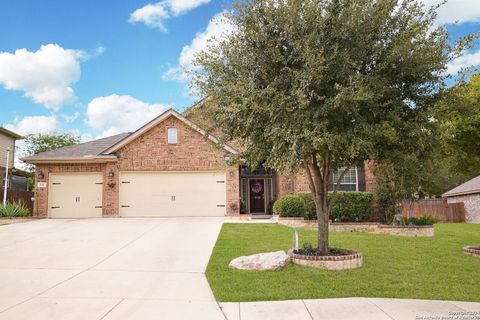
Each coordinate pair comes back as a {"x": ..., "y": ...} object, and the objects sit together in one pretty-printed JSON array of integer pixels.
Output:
[
  {"x": 172, "y": 194},
  {"x": 75, "y": 195}
]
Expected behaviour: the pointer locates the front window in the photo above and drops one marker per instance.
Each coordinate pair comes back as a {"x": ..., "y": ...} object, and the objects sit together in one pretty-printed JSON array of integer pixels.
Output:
[
  {"x": 172, "y": 135},
  {"x": 349, "y": 181}
]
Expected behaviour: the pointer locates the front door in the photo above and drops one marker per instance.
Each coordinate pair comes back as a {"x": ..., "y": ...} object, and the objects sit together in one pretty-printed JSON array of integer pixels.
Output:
[{"x": 257, "y": 195}]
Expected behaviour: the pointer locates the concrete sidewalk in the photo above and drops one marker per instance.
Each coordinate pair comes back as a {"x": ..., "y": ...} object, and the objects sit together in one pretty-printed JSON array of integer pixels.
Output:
[{"x": 352, "y": 308}]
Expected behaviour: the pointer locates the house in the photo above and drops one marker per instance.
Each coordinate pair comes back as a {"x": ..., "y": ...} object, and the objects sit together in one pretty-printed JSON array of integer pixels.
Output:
[
  {"x": 168, "y": 167},
  {"x": 7, "y": 144},
  {"x": 469, "y": 194}
]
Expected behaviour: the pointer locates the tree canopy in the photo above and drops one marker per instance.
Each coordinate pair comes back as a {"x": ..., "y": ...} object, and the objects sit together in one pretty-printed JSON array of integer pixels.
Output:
[
  {"x": 325, "y": 84},
  {"x": 37, "y": 143}
]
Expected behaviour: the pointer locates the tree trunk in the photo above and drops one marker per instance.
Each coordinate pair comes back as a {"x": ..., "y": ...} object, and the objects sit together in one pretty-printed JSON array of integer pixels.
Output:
[
  {"x": 318, "y": 181},
  {"x": 318, "y": 173}
]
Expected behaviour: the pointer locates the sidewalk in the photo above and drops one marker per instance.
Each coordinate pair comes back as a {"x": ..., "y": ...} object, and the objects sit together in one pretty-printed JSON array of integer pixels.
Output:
[{"x": 352, "y": 308}]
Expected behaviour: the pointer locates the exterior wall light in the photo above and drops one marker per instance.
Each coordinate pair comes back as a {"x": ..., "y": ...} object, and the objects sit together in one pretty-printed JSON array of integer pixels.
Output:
[
  {"x": 41, "y": 175},
  {"x": 111, "y": 174}
]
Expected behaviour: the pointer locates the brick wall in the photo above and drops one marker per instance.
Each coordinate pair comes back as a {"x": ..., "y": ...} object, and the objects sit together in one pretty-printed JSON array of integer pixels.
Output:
[
  {"x": 151, "y": 152},
  {"x": 299, "y": 182}
]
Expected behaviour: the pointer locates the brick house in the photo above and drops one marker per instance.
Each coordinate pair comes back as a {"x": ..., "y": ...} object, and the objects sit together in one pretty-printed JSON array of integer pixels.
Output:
[
  {"x": 168, "y": 167},
  {"x": 469, "y": 194}
]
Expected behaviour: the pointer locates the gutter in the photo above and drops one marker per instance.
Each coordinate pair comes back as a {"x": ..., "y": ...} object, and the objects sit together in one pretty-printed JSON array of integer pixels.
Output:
[{"x": 85, "y": 159}]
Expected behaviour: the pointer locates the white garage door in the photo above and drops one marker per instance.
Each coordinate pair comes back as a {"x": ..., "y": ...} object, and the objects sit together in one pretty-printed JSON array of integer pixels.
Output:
[
  {"x": 75, "y": 195},
  {"x": 172, "y": 194}
]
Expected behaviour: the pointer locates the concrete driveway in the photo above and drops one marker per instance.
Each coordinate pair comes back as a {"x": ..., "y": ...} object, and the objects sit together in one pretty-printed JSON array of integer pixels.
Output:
[{"x": 108, "y": 269}]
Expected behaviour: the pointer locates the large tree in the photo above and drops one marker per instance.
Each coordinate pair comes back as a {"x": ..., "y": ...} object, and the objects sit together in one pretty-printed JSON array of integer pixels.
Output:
[
  {"x": 458, "y": 116},
  {"x": 324, "y": 84},
  {"x": 37, "y": 143}
]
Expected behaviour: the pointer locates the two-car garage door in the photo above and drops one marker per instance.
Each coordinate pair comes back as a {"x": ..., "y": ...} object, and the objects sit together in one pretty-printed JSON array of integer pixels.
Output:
[
  {"x": 167, "y": 194},
  {"x": 142, "y": 194}
]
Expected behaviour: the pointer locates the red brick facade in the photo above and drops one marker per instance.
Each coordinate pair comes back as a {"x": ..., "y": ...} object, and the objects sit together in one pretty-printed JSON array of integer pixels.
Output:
[
  {"x": 287, "y": 184},
  {"x": 151, "y": 152}
]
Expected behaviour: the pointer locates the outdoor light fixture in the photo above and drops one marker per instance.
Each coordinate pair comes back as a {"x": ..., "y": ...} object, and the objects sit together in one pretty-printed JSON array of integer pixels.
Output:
[
  {"x": 111, "y": 174},
  {"x": 41, "y": 175},
  {"x": 231, "y": 173}
]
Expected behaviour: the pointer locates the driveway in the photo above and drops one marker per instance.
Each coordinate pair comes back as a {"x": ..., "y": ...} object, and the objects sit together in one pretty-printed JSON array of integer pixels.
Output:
[{"x": 108, "y": 269}]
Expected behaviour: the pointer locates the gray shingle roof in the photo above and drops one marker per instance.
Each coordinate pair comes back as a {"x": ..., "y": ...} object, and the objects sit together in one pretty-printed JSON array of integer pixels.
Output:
[
  {"x": 91, "y": 148},
  {"x": 469, "y": 187}
]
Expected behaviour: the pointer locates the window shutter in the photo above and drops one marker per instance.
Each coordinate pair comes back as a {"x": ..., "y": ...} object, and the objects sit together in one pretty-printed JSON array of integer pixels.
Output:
[{"x": 361, "y": 179}]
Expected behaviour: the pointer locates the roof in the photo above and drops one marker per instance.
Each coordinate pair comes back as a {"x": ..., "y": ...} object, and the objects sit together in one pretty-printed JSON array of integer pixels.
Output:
[
  {"x": 93, "y": 150},
  {"x": 103, "y": 149},
  {"x": 469, "y": 187},
  {"x": 11, "y": 134},
  {"x": 157, "y": 120}
]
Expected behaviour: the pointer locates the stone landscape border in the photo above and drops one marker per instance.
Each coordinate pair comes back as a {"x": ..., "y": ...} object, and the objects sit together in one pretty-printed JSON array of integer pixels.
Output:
[
  {"x": 471, "y": 250},
  {"x": 336, "y": 263},
  {"x": 368, "y": 227}
]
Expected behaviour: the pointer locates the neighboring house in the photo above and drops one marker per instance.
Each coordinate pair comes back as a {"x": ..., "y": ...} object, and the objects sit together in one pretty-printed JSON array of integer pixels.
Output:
[
  {"x": 168, "y": 167},
  {"x": 469, "y": 194},
  {"x": 7, "y": 142}
]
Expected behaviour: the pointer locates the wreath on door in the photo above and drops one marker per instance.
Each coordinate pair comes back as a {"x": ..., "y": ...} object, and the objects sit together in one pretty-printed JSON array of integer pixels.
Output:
[{"x": 257, "y": 187}]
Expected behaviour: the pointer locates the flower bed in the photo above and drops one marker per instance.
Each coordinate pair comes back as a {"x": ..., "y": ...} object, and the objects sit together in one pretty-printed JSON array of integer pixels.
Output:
[
  {"x": 369, "y": 227},
  {"x": 474, "y": 251},
  {"x": 339, "y": 259}
]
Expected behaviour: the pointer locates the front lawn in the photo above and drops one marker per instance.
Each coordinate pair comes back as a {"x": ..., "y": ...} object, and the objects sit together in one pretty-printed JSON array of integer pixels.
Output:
[{"x": 396, "y": 267}]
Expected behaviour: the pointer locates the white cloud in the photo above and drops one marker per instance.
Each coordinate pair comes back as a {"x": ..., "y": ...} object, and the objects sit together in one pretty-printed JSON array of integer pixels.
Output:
[
  {"x": 154, "y": 15},
  {"x": 181, "y": 6},
  {"x": 465, "y": 61},
  {"x": 46, "y": 75},
  {"x": 217, "y": 30},
  {"x": 116, "y": 114},
  {"x": 453, "y": 11},
  {"x": 34, "y": 125},
  {"x": 69, "y": 118}
]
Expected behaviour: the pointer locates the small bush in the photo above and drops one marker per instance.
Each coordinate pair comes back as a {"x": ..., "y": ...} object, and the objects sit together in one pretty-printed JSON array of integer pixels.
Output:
[
  {"x": 310, "y": 209},
  {"x": 348, "y": 206},
  {"x": 352, "y": 207},
  {"x": 14, "y": 209},
  {"x": 289, "y": 206},
  {"x": 422, "y": 221}
]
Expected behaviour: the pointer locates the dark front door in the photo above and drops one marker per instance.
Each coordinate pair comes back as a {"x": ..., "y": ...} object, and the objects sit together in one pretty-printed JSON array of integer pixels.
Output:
[{"x": 257, "y": 195}]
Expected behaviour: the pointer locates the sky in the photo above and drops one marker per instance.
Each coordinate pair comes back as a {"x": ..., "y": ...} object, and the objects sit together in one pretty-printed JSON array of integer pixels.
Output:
[{"x": 97, "y": 68}]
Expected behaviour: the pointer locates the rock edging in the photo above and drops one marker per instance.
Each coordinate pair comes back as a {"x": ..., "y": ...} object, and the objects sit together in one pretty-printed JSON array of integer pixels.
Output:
[
  {"x": 368, "y": 227},
  {"x": 335, "y": 263},
  {"x": 473, "y": 251}
]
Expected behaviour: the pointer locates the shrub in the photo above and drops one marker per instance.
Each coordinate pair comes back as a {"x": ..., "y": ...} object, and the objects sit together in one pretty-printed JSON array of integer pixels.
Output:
[
  {"x": 289, "y": 206},
  {"x": 310, "y": 210},
  {"x": 422, "y": 221},
  {"x": 352, "y": 206},
  {"x": 14, "y": 209},
  {"x": 348, "y": 206}
]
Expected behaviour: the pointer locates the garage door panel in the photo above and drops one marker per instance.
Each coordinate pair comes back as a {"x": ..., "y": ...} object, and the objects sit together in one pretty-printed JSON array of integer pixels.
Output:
[
  {"x": 77, "y": 195},
  {"x": 147, "y": 194}
]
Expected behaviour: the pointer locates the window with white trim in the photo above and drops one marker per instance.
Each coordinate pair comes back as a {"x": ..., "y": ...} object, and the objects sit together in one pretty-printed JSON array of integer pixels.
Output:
[
  {"x": 349, "y": 181},
  {"x": 172, "y": 135}
]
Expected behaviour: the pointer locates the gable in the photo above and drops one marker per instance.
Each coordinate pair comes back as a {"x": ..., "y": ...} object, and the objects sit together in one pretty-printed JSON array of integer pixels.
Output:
[
  {"x": 156, "y": 122},
  {"x": 151, "y": 151}
]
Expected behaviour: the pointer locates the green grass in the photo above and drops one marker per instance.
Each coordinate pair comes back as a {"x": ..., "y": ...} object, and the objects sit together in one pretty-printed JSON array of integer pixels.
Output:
[{"x": 394, "y": 267}]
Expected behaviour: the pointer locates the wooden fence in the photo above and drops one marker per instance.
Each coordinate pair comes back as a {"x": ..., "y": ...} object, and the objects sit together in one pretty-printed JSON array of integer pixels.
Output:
[
  {"x": 18, "y": 194},
  {"x": 438, "y": 208}
]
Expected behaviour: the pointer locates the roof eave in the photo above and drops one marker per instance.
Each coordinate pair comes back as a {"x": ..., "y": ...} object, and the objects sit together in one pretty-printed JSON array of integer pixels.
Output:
[
  {"x": 93, "y": 159},
  {"x": 12, "y": 134},
  {"x": 462, "y": 193}
]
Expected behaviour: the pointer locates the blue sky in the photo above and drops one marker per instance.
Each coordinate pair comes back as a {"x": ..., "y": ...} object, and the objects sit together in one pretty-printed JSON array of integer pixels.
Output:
[{"x": 97, "y": 68}]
